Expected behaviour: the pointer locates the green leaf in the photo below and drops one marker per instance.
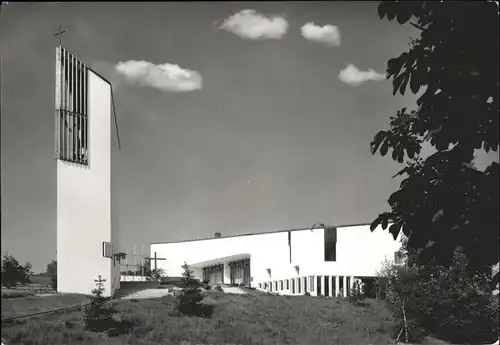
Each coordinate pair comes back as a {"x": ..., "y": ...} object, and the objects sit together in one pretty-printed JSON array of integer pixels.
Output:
[
  {"x": 404, "y": 14},
  {"x": 404, "y": 82},
  {"x": 377, "y": 140},
  {"x": 375, "y": 223},
  {"x": 394, "y": 229},
  {"x": 385, "y": 147},
  {"x": 414, "y": 81},
  {"x": 396, "y": 83}
]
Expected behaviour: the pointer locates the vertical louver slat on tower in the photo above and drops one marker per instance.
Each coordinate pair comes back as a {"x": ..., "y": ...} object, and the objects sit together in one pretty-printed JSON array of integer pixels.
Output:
[{"x": 71, "y": 108}]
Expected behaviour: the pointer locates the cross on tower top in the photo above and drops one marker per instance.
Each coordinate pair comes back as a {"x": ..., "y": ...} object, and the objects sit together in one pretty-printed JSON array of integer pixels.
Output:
[{"x": 60, "y": 33}]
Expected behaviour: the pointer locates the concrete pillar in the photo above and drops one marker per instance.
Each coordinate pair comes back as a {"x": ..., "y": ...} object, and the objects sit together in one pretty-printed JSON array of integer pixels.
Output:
[
  {"x": 227, "y": 276},
  {"x": 337, "y": 286}
]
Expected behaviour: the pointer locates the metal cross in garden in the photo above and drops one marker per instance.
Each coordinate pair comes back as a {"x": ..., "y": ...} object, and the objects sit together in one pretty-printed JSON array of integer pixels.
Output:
[
  {"x": 60, "y": 33},
  {"x": 155, "y": 259}
]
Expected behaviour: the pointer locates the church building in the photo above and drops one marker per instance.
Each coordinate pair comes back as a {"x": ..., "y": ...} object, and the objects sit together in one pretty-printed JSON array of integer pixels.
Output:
[{"x": 320, "y": 261}]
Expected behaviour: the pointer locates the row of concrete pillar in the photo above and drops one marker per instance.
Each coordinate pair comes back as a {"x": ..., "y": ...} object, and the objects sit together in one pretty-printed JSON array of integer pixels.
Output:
[{"x": 337, "y": 285}]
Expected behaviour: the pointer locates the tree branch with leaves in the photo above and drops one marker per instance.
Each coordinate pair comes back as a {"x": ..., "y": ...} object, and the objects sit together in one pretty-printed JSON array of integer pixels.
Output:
[{"x": 444, "y": 201}]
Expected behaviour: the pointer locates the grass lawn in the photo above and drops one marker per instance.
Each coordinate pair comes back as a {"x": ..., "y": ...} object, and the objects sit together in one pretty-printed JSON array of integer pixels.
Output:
[
  {"x": 236, "y": 319},
  {"x": 32, "y": 304}
]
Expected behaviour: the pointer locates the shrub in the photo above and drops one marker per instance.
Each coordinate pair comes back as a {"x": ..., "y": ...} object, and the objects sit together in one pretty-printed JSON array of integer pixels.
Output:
[
  {"x": 189, "y": 300},
  {"x": 158, "y": 274},
  {"x": 356, "y": 294},
  {"x": 446, "y": 302},
  {"x": 98, "y": 315}
]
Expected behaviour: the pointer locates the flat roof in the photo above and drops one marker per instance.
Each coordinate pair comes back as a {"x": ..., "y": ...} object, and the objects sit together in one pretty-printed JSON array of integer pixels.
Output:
[{"x": 258, "y": 233}]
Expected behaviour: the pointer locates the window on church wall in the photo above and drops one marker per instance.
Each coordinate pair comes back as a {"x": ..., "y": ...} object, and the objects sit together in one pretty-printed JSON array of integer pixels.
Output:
[
  {"x": 72, "y": 109},
  {"x": 287, "y": 284},
  {"x": 330, "y": 243},
  {"x": 305, "y": 283},
  {"x": 311, "y": 283},
  {"x": 293, "y": 285},
  {"x": 281, "y": 285},
  {"x": 298, "y": 285}
]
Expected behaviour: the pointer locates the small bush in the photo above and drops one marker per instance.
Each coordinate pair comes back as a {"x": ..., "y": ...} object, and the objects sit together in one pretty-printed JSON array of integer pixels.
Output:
[
  {"x": 356, "y": 295},
  {"x": 98, "y": 315},
  {"x": 189, "y": 300}
]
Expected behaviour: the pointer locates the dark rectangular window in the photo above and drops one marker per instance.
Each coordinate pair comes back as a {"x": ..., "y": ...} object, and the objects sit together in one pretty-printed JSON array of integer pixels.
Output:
[
  {"x": 318, "y": 285},
  {"x": 298, "y": 286},
  {"x": 288, "y": 284},
  {"x": 334, "y": 286},
  {"x": 71, "y": 109},
  {"x": 281, "y": 285},
  {"x": 330, "y": 239},
  {"x": 293, "y": 285},
  {"x": 305, "y": 284}
]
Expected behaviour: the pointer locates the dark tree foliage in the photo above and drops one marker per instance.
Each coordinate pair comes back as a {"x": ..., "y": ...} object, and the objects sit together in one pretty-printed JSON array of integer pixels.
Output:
[
  {"x": 14, "y": 273},
  {"x": 52, "y": 273},
  {"x": 444, "y": 201}
]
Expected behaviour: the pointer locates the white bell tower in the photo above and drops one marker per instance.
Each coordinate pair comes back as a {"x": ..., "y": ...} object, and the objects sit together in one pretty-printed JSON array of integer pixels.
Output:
[{"x": 83, "y": 151}]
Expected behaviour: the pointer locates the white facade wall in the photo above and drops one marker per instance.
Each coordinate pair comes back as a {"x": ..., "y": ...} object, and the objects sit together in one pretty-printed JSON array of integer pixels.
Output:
[
  {"x": 84, "y": 204},
  {"x": 360, "y": 253}
]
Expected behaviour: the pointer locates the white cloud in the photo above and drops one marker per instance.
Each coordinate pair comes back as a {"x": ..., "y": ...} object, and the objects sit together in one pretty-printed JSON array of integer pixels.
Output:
[
  {"x": 327, "y": 34},
  {"x": 249, "y": 24},
  {"x": 165, "y": 77},
  {"x": 353, "y": 76}
]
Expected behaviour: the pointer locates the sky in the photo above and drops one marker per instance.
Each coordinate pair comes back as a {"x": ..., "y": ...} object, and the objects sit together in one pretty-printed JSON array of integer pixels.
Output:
[{"x": 233, "y": 117}]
